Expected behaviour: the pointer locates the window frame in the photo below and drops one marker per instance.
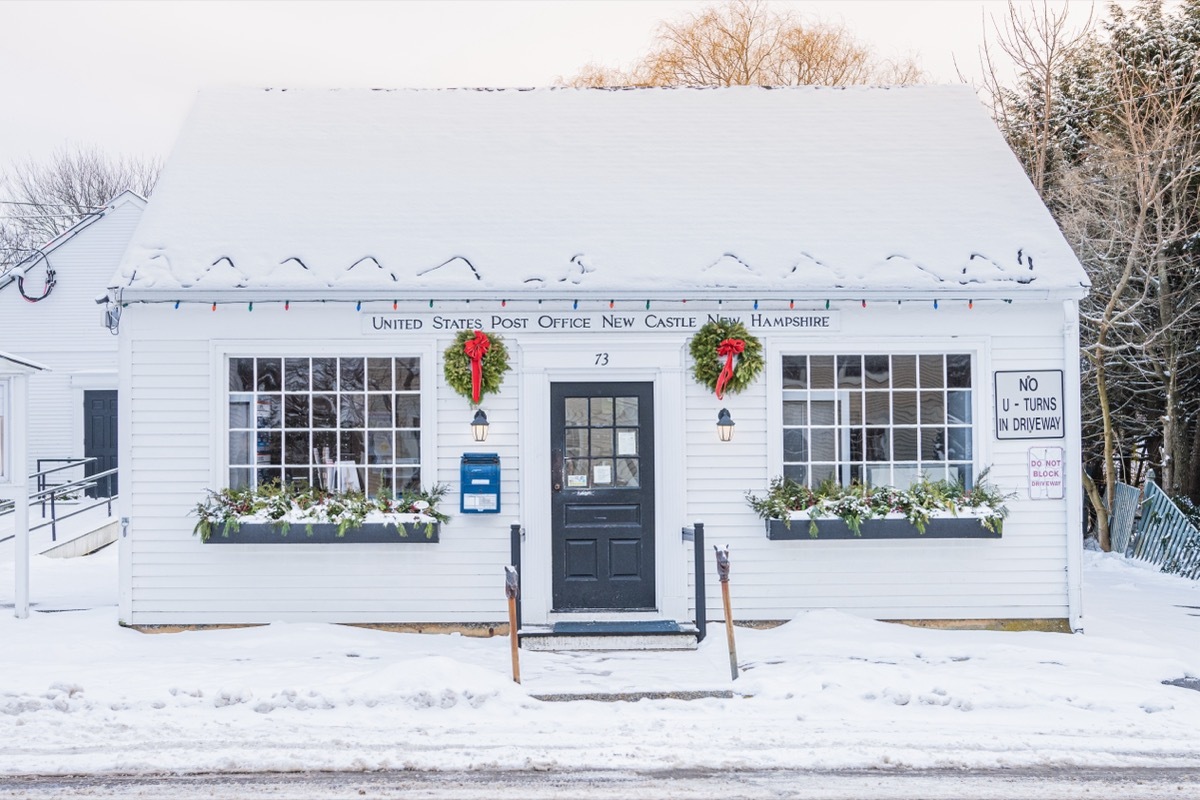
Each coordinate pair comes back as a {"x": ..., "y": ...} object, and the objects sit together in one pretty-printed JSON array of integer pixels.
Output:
[
  {"x": 975, "y": 348},
  {"x": 224, "y": 352}
]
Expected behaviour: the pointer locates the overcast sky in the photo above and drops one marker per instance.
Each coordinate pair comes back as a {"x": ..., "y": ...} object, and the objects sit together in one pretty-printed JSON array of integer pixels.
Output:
[{"x": 121, "y": 75}]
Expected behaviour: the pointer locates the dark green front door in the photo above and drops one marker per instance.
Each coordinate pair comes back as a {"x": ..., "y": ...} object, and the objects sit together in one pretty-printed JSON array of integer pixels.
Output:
[
  {"x": 602, "y": 489},
  {"x": 100, "y": 439}
]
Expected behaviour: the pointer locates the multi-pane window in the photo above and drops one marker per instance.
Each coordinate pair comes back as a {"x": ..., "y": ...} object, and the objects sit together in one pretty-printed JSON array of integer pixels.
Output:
[
  {"x": 601, "y": 442},
  {"x": 336, "y": 423},
  {"x": 877, "y": 419}
]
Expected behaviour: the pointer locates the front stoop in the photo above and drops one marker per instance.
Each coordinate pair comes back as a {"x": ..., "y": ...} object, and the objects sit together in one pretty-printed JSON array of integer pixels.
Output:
[{"x": 639, "y": 635}]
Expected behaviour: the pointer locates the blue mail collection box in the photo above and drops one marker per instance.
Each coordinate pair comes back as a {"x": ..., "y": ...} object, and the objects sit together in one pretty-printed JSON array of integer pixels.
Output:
[{"x": 480, "y": 476}]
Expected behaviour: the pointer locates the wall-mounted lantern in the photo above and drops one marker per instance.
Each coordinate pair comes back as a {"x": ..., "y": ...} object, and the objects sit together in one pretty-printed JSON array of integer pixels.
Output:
[
  {"x": 724, "y": 425},
  {"x": 479, "y": 426}
]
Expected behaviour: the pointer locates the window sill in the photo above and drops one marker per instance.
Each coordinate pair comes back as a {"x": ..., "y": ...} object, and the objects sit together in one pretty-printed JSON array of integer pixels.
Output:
[
  {"x": 965, "y": 526},
  {"x": 325, "y": 533}
]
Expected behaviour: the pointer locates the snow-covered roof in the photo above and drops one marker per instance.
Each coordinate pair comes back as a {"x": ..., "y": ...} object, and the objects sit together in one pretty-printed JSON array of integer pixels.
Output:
[
  {"x": 566, "y": 192},
  {"x": 11, "y": 364},
  {"x": 9, "y": 275}
]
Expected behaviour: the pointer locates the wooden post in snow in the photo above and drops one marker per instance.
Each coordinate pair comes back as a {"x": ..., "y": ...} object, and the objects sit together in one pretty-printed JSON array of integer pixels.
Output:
[
  {"x": 512, "y": 590},
  {"x": 723, "y": 576}
]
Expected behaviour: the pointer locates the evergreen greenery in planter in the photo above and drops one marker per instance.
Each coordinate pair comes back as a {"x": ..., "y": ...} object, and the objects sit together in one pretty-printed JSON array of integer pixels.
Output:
[
  {"x": 855, "y": 504},
  {"x": 284, "y": 506}
]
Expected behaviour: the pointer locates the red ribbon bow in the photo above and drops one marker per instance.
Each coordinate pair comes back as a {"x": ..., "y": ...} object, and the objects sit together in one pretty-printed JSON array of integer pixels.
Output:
[
  {"x": 728, "y": 348},
  {"x": 475, "y": 348}
]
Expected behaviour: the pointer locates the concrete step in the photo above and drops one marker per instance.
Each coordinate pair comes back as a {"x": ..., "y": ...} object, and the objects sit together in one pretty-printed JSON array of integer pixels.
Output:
[{"x": 632, "y": 635}]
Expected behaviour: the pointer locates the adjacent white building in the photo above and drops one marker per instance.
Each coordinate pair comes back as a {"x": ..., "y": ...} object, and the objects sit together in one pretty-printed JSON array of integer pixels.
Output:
[
  {"x": 309, "y": 255},
  {"x": 48, "y": 313}
]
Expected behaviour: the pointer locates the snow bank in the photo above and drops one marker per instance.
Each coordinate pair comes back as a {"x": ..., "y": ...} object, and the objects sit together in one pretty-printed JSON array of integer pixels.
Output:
[{"x": 79, "y": 694}]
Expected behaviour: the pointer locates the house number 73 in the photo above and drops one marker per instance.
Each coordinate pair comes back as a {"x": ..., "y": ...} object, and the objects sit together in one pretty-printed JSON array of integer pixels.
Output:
[{"x": 601, "y": 359}]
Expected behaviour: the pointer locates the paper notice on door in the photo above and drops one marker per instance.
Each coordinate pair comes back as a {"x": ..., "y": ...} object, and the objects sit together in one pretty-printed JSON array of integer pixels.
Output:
[
  {"x": 602, "y": 473},
  {"x": 627, "y": 443},
  {"x": 577, "y": 481}
]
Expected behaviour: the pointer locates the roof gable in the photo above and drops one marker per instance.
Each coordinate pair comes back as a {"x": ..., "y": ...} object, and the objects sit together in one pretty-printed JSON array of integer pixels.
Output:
[
  {"x": 560, "y": 192},
  {"x": 125, "y": 197}
]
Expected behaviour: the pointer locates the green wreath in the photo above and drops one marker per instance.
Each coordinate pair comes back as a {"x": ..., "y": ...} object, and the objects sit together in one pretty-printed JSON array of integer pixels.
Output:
[
  {"x": 493, "y": 365},
  {"x": 708, "y": 361}
]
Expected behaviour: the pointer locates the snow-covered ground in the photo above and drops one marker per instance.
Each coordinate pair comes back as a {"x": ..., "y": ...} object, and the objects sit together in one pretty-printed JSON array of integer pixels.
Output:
[{"x": 79, "y": 694}]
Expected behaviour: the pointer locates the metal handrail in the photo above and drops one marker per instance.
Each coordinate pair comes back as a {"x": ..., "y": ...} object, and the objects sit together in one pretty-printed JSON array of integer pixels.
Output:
[
  {"x": 54, "y": 493},
  {"x": 67, "y": 463},
  {"x": 40, "y": 475}
]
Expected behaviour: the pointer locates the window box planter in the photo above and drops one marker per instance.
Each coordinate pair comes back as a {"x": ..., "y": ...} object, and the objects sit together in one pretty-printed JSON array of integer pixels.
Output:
[
  {"x": 965, "y": 526},
  {"x": 326, "y": 533},
  {"x": 279, "y": 514}
]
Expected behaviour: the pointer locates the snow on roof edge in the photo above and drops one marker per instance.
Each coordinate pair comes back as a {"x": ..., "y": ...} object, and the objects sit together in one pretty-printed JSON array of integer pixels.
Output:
[{"x": 330, "y": 265}]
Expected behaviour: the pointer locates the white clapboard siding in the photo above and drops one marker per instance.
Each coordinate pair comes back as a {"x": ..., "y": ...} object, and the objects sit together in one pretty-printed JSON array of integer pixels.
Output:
[
  {"x": 66, "y": 330},
  {"x": 1022, "y": 575},
  {"x": 176, "y": 393}
]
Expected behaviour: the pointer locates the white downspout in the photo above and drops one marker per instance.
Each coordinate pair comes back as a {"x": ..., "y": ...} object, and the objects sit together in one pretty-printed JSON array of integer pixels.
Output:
[{"x": 1072, "y": 416}]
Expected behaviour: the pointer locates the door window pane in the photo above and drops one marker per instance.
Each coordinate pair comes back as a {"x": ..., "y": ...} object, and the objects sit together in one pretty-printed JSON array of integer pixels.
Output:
[
  {"x": 576, "y": 411},
  {"x": 602, "y": 441},
  {"x": 575, "y": 473},
  {"x": 576, "y": 443},
  {"x": 627, "y": 472},
  {"x": 626, "y": 410},
  {"x": 602, "y": 411}
]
